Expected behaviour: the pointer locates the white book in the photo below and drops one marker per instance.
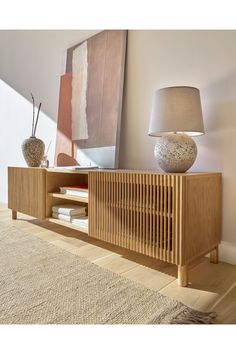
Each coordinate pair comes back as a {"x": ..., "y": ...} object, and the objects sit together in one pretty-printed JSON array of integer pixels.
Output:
[
  {"x": 82, "y": 221},
  {"x": 79, "y": 222},
  {"x": 74, "y": 192},
  {"x": 62, "y": 217},
  {"x": 69, "y": 209}
]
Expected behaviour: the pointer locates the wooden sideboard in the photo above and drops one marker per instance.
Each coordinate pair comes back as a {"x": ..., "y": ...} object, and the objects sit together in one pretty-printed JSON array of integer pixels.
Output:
[{"x": 172, "y": 217}]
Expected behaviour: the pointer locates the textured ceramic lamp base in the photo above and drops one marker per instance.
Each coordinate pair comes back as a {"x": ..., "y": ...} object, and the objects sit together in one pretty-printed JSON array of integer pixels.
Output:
[{"x": 175, "y": 152}]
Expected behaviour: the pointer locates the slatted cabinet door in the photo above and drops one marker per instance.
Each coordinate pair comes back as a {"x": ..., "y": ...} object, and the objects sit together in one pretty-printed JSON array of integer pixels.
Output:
[{"x": 137, "y": 211}]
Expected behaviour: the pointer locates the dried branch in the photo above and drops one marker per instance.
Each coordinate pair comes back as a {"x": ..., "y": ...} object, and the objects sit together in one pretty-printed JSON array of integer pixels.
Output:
[
  {"x": 48, "y": 147},
  {"x": 33, "y": 114},
  {"x": 36, "y": 123}
]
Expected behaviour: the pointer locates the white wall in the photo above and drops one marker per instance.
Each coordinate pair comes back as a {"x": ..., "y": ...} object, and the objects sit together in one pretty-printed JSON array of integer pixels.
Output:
[
  {"x": 30, "y": 61},
  {"x": 205, "y": 59}
]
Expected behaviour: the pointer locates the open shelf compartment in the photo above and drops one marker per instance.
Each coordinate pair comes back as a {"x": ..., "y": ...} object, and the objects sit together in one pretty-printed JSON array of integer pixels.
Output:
[{"x": 53, "y": 183}]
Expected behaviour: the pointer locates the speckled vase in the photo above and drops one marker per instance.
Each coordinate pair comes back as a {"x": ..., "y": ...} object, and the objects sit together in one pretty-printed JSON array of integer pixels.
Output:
[
  {"x": 33, "y": 151},
  {"x": 175, "y": 152}
]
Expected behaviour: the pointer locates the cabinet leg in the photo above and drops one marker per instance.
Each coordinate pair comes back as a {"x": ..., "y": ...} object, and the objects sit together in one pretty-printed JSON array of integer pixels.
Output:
[
  {"x": 183, "y": 275},
  {"x": 14, "y": 214},
  {"x": 214, "y": 258}
]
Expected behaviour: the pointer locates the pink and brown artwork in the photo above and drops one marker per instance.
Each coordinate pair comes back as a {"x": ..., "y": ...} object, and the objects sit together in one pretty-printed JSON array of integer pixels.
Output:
[{"x": 90, "y": 102}]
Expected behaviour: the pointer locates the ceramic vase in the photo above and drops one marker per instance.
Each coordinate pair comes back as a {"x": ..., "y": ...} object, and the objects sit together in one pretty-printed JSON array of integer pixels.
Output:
[{"x": 33, "y": 151}]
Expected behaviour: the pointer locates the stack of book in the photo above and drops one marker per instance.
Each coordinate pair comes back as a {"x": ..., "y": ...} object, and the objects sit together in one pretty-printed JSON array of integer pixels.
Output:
[
  {"x": 78, "y": 191},
  {"x": 75, "y": 214}
]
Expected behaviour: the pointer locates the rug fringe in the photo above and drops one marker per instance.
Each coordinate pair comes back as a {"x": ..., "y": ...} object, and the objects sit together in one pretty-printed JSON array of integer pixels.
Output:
[{"x": 190, "y": 316}]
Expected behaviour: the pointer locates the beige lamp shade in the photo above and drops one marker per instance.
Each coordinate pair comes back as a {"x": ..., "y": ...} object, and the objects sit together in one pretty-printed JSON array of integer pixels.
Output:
[{"x": 176, "y": 109}]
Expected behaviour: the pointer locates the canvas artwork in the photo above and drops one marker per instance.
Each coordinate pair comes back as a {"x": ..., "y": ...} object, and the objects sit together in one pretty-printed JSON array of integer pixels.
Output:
[{"x": 90, "y": 102}]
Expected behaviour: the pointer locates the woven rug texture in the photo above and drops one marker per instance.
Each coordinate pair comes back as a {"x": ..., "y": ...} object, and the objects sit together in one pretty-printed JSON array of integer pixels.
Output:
[{"x": 43, "y": 284}]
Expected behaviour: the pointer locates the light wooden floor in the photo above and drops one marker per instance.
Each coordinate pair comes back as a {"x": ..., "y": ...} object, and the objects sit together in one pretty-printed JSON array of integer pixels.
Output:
[{"x": 211, "y": 287}]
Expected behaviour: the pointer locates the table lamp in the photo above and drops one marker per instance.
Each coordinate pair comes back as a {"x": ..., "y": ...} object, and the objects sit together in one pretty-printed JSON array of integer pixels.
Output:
[{"x": 176, "y": 116}]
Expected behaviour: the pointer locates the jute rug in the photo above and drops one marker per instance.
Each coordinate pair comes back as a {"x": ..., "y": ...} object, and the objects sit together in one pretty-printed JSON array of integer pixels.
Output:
[{"x": 42, "y": 284}]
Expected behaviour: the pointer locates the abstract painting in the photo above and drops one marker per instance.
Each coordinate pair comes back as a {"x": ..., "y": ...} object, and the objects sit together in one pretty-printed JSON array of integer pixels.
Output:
[{"x": 90, "y": 102}]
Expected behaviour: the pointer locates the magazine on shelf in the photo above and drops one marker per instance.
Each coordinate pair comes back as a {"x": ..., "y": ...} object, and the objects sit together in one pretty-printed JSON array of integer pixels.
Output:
[
  {"x": 69, "y": 209},
  {"x": 79, "y": 191}
]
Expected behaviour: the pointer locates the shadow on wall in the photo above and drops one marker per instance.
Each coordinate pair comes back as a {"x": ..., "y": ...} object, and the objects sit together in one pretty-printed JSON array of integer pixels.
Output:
[
  {"x": 16, "y": 114},
  {"x": 16, "y": 123},
  {"x": 33, "y": 60},
  {"x": 17, "y": 111}
]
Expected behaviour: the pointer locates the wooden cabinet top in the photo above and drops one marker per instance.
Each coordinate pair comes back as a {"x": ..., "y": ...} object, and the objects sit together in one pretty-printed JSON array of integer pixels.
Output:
[{"x": 86, "y": 171}]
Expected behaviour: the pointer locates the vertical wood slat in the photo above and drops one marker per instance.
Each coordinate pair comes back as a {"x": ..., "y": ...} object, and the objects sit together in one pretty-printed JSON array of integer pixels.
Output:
[
  {"x": 173, "y": 219},
  {"x": 115, "y": 230},
  {"x": 136, "y": 211},
  {"x": 144, "y": 187},
  {"x": 154, "y": 217},
  {"x": 122, "y": 210},
  {"x": 91, "y": 212},
  {"x": 129, "y": 211},
  {"x": 95, "y": 194},
  {"x": 180, "y": 243},
  {"x": 158, "y": 215},
  {"x": 161, "y": 217},
  {"x": 136, "y": 189},
  {"x": 176, "y": 220},
  {"x": 111, "y": 218},
  {"x": 140, "y": 201},
  {"x": 99, "y": 210},
  {"x": 146, "y": 210},
  {"x": 107, "y": 205},
  {"x": 150, "y": 245},
  {"x": 143, "y": 214},
  {"x": 103, "y": 208},
  {"x": 102, "y": 234},
  {"x": 119, "y": 209},
  {"x": 169, "y": 217},
  {"x": 164, "y": 217},
  {"x": 114, "y": 208},
  {"x": 93, "y": 189},
  {"x": 132, "y": 221},
  {"x": 108, "y": 183},
  {"x": 126, "y": 211},
  {"x": 90, "y": 205},
  {"x": 110, "y": 228}
]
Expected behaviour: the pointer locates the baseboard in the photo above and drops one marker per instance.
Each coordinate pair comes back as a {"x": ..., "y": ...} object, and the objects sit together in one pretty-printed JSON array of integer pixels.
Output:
[{"x": 227, "y": 252}]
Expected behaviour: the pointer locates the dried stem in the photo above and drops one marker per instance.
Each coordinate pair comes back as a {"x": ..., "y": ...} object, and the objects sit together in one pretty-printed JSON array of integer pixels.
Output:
[
  {"x": 48, "y": 147},
  {"x": 36, "y": 123},
  {"x": 33, "y": 114}
]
